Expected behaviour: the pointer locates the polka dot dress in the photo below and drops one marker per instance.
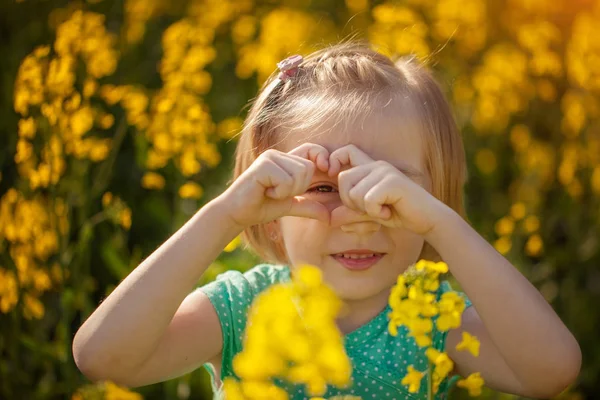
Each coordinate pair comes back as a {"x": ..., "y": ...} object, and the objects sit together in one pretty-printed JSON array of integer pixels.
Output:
[{"x": 379, "y": 360}]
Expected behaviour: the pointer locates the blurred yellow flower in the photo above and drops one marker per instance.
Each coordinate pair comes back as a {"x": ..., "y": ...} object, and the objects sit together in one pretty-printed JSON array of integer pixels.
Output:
[
  {"x": 234, "y": 244},
  {"x": 8, "y": 290},
  {"x": 451, "y": 306},
  {"x": 152, "y": 180},
  {"x": 503, "y": 245},
  {"x": 469, "y": 343},
  {"x": 190, "y": 190},
  {"x": 518, "y": 211},
  {"x": 472, "y": 383},
  {"x": 33, "y": 307},
  {"x": 27, "y": 128},
  {"x": 303, "y": 311},
  {"x": 107, "y": 199},
  {"x": 505, "y": 226},
  {"x": 413, "y": 379},
  {"x": 443, "y": 364},
  {"x": 531, "y": 224},
  {"x": 125, "y": 218},
  {"x": 115, "y": 392},
  {"x": 534, "y": 245}
]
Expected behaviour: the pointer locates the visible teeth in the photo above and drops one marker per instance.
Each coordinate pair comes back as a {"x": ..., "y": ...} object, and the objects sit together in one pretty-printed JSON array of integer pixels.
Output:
[{"x": 357, "y": 256}]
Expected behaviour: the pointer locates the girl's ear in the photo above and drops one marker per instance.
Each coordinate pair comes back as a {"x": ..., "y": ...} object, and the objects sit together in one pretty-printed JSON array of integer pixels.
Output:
[{"x": 273, "y": 231}]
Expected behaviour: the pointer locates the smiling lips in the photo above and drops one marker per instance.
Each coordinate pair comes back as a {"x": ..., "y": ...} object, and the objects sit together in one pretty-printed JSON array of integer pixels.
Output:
[{"x": 358, "y": 260}]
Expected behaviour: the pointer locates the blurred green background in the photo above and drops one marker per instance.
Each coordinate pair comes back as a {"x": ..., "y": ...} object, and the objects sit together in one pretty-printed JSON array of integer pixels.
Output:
[{"x": 118, "y": 121}]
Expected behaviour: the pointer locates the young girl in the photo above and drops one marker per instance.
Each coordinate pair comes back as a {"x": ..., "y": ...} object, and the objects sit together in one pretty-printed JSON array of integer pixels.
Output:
[{"x": 354, "y": 164}]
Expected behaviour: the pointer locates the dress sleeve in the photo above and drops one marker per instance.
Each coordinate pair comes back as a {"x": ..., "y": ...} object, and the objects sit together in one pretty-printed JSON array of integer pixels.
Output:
[{"x": 231, "y": 294}]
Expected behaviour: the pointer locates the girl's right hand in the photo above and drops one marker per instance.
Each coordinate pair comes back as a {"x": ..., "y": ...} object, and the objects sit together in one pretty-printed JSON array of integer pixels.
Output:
[{"x": 267, "y": 189}]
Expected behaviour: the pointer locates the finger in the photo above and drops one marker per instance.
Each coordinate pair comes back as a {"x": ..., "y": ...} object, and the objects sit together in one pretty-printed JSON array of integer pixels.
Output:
[
  {"x": 343, "y": 215},
  {"x": 301, "y": 171},
  {"x": 306, "y": 208},
  {"x": 348, "y": 155},
  {"x": 377, "y": 202},
  {"x": 347, "y": 180},
  {"x": 277, "y": 181},
  {"x": 318, "y": 154},
  {"x": 358, "y": 192}
]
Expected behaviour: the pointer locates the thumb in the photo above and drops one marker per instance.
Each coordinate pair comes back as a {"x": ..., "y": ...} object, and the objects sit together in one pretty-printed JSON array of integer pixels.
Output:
[{"x": 303, "y": 207}]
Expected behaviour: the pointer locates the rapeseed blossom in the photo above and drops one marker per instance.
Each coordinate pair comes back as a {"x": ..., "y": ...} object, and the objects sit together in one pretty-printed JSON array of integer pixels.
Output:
[
  {"x": 303, "y": 312},
  {"x": 472, "y": 383},
  {"x": 414, "y": 304}
]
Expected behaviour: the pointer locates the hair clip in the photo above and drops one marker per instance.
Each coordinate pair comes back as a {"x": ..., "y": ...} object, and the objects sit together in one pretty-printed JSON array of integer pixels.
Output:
[{"x": 289, "y": 67}]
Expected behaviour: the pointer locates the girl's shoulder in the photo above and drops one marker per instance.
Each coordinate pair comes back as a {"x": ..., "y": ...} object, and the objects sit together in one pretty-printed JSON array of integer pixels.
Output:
[
  {"x": 256, "y": 278},
  {"x": 239, "y": 288}
]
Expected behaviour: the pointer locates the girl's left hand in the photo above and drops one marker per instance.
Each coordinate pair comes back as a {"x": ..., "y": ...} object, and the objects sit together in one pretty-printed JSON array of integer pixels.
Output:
[{"x": 382, "y": 192}]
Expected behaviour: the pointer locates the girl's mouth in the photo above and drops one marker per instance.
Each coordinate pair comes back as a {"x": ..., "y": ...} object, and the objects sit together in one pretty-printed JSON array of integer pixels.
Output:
[{"x": 358, "y": 262}]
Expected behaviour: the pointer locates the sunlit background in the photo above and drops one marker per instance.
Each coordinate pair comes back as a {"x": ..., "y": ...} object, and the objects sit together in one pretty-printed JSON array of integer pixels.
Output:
[{"x": 118, "y": 121}]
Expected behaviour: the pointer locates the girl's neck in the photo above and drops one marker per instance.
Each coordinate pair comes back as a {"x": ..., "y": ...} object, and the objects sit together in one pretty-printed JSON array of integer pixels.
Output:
[{"x": 357, "y": 313}]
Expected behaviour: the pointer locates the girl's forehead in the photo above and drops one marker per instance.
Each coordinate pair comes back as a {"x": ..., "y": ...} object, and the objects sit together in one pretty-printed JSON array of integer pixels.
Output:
[{"x": 397, "y": 139}]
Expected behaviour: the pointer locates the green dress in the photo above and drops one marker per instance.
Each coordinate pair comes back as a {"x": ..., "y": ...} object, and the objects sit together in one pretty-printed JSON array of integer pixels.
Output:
[{"x": 379, "y": 359}]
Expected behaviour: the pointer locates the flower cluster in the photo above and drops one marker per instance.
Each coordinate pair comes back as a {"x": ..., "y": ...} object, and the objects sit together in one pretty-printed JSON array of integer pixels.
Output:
[
  {"x": 105, "y": 390},
  {"x": 56, "y": 108},
  {"x": 414, "y": 304},
  {"x": 30, "y": 228},
  {"x": 533, "y": 55},
  {"x": 282, "y": 31},
  {"x": 302, "y": 312}
]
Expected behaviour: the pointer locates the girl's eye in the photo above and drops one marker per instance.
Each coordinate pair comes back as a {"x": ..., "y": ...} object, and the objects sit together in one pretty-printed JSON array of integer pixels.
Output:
[{"x": 322, "y": 189}]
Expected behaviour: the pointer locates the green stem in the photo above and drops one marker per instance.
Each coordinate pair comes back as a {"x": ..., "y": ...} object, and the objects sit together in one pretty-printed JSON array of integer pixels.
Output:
[
  {"x": 430, "y": 381},
  {"x": 102, "y": 178}
]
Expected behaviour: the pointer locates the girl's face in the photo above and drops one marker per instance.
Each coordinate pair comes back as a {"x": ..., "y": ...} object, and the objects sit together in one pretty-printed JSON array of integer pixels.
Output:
[{"x": 313, "y": 242}]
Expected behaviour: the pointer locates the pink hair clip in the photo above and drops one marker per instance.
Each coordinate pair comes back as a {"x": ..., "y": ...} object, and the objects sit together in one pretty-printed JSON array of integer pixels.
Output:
[{"x": 289, "y": 67}]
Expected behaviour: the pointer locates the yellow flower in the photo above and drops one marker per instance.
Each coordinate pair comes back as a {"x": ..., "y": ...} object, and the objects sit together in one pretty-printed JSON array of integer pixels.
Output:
[
  {"x": 451, "y": 306},
  {"x": 27, "y": 128},
  {"x": 534, "y": 245},
  {"x": 125, "y": 218},
  {"x": 262, "y": 390},
  {"x": 503, "y": 245},
  {"x": 107, "y": 199},
  {"x": 420, "y": 329},
  {"x": 152, "y": 180},
  {"x": 106, "y": 121},
  {"x": 302, "y": 312},
  {"x": 234, "y": 244},
  {"x": 505, "y": 226},
  {"x": 518, "y": 210},
  {"x": 413, "y": 379},
  {"x": 190, "y": 190},
  {"x": 435, "y": 268},
  {"x": 443, "y": 363},
  {"x": 33, "y": 307},
  {"x": 8, "y": 290},
  {"x": 469, "y": 343},
  {"x": 233, "y": 389},
  {"x": 82, "y": 121},
  {"x": 473, "y": 384},
  {"x": 115, "y": 392},
  {"x": 531, "y": 224}
]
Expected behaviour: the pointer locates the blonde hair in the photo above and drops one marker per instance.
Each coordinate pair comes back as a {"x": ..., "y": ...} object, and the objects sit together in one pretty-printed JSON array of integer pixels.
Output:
[{"x": 335, "y": 82}]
